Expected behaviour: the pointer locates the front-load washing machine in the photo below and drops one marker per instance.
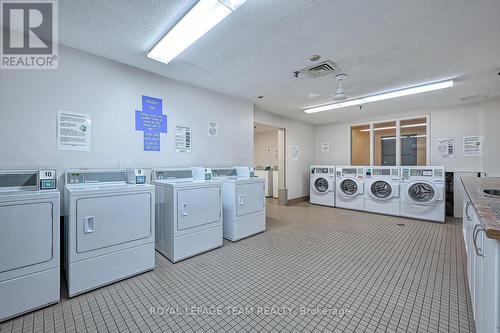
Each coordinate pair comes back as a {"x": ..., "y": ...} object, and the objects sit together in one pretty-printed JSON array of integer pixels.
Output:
[
  {"x": 382, "y": 190},
  {"x": 350, "y": 188},
  {"x": 109, "y": 227},
  {"x": 423, "y": 193},
  {"x": 188, "y": 213},
  {"x": 29, "y": 241},
  {"x": 244, "y": 202},
  {"x": 322, "y": 185}
]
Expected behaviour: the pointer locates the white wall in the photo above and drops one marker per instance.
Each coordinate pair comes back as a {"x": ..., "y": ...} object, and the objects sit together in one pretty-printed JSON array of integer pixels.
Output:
[
  {"x": 297, "y": 133},
  {"x": 492, "y": 140},
  {"x": 445, "y": 123},
  {"x": 265, "y": 148},
  {"x": 110, "y": 92}
]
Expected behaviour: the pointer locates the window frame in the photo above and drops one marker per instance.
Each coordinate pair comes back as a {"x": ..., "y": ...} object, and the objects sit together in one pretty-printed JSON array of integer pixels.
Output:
[{"x": 398, "y": 137}]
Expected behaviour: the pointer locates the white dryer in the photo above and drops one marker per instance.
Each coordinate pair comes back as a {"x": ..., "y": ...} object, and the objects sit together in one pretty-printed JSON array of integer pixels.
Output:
[
  {"x": 109, "y": 227},
  {"x": 244, "y": 202},
  {"x": 267, "y": 175},
  {"x": 423, "y": 193},
  {"x": 322, "y": 185},
  {"x": 29, "y": 241},
  {"x": 350, "y": 188},
  {"x": 188, "y": 213},
  {"x": 382, "y": 190}
]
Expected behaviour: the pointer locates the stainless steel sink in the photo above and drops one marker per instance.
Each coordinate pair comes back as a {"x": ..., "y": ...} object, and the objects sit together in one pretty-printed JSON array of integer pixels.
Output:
[{"x": 492, "y": 192}]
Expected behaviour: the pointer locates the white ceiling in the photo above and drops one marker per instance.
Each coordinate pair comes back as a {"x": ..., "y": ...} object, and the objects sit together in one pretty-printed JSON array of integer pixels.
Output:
[{"x": 380, "y": 44}]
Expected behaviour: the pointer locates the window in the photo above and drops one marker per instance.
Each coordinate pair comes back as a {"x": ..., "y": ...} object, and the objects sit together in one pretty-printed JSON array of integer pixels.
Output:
[
  {"x": 414, "y": 141},
  {"x": 384, "y": 143},
  {"x": 360, "y": 145},
  {"x": 390, "y": 142}
]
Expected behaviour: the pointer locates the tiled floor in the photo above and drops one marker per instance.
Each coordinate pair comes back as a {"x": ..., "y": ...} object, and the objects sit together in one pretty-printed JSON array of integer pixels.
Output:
[{"x": 312, "y": 264}]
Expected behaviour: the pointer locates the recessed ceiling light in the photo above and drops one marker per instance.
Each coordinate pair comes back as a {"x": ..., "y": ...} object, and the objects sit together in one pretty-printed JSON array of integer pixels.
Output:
[
  {"x": 198, "y": 21},
  {"x": 383, "y": 96},
  {"x": 260, "y": 97}
]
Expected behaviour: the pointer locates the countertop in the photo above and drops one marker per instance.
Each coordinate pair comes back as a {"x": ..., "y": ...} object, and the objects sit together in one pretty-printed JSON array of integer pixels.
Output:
[{"x": 487, "y": 216}]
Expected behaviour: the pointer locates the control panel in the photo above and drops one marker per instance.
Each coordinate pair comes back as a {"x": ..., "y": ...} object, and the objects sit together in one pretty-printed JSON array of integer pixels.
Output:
[
  {"x": 137, "y": 176},
  {"x": 173, "y": 174},
  {"x": 75, "y": 178},
  {"x": 224, "y": 173},
  {"x": 48, "y": 179}
]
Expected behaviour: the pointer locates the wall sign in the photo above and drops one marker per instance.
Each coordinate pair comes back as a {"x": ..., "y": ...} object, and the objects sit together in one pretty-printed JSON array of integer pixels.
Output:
[
  {"x": 325, "y": 147},
  {"x": 182, "y": 139},
  {"x": 446, "y": 147},
  {"x": 213, "y": 129},
  {"x": 295, "y": 152},
  {"x": 73, "y": 131},
  {"x": 473, "y": 145},
  {"x": 151, "y": 121}
]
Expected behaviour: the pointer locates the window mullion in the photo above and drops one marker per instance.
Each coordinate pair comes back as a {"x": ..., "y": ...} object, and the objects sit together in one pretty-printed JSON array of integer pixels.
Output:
[{"x": 398, "y": 142}]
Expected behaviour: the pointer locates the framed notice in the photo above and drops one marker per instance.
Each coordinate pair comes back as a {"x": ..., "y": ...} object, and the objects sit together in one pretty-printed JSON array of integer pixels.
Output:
[
  {"x": 73, "y": 131},
  {"x": 183, "y": 139},
  {"x": 473, "y": 145},
  {"x": 446, "y": 147}
]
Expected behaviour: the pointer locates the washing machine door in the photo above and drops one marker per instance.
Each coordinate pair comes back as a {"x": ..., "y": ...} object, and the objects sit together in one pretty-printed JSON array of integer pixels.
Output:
[
  {"x": 422, "y": 192},
  {"x": 349, "y": 187},
  {"x": 381, "y": 190},
  {"x": 321, "y": 185}
]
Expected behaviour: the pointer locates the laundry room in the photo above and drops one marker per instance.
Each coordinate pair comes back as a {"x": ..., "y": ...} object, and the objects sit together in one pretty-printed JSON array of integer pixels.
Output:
[{"x": 249, "y": 165}]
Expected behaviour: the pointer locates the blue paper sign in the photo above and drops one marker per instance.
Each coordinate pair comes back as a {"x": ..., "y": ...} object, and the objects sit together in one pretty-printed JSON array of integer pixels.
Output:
[
  {"x": 151, "y": 141},
  {"x": 151, "y": 121}
]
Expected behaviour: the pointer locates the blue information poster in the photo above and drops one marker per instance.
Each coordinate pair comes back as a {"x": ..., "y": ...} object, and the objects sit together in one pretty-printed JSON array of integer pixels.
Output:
[{"x": 151, "y": 121}]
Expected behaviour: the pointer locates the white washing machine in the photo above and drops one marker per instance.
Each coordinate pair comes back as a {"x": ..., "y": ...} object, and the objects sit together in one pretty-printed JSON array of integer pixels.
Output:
[
  {"x": 188, "y": 213},
  {"x": 109, "y": 227},
  {"x": 350, "y": 188},
  {"x": 423, "y": 193},
  {"x": 29, "y": 241},
  {"x": 382, "y": 190},
  {"x": 322, "y": 185},
  {"x": 244, "y": 202}
]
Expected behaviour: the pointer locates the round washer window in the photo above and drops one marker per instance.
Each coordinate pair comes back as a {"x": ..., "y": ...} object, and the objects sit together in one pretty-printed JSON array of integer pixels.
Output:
[
  {"x": 381, "y": 189},
  {"x": 421, "y": 192},
  {"x": 349, "y": 187},
  {"x": 321, "y": 185}
]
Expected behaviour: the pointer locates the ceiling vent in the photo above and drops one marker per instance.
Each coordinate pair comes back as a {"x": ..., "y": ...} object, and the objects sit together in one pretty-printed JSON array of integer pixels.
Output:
[{"x": 326, "y": 67}]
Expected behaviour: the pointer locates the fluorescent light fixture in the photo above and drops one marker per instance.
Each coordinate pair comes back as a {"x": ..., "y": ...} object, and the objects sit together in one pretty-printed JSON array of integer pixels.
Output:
[
  {"x": 205, "y": 15},
  {"x": 382, "y": 96}
]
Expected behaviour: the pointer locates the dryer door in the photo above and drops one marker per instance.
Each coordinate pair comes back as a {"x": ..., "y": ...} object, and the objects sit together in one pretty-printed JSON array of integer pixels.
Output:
[
  {"x": 104, "y": 221},
  {"x": 321, "y": 185},
  {"x": 422, "y": 192},
  {"x": 198, "y": 206},
  {"x": 26, "y": 235},
  {"x": 381, "y": 190},
  {"x": 249, "y": 198}
]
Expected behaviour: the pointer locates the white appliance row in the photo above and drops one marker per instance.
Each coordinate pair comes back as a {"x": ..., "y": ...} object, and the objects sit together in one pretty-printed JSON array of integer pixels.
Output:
[
  {"x": 416, "y": 191},
  {"x": 113, "y": 221}
]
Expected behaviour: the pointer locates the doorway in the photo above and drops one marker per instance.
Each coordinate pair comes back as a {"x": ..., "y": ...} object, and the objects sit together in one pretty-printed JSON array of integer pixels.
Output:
[{"x": 269, "y": 160}]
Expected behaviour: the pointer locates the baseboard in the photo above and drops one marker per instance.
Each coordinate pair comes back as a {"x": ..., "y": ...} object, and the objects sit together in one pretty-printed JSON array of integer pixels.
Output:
[{"x": 297, "y": 200}]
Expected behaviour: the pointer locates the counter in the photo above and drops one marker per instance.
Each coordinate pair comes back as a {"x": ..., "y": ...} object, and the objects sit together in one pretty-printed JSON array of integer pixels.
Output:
[{"x": 486, "y": 215}]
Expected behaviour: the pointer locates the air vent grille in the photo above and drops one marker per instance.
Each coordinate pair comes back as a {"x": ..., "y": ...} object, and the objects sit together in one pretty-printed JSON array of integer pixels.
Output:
[{"x": 324, "y": 68}]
